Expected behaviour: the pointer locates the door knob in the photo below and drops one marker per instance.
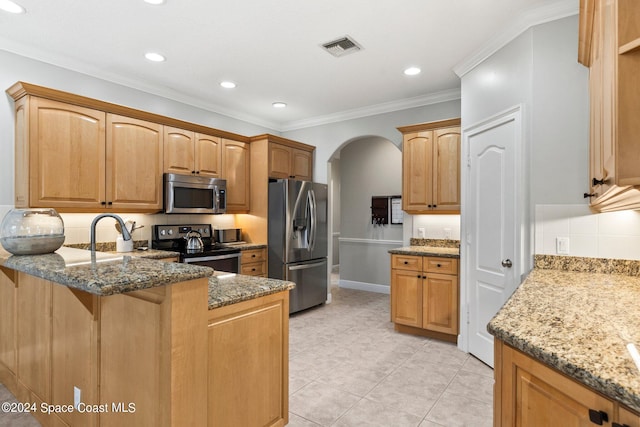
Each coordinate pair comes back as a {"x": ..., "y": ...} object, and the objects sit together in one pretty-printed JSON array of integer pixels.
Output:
[{"x": 507, "y": 263}]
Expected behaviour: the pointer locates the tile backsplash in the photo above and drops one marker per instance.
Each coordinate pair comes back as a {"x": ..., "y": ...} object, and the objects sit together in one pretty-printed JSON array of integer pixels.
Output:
[{"x": 613, "y": 235}]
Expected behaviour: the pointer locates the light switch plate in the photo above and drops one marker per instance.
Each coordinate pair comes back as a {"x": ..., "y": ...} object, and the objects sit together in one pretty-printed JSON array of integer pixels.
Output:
[
  {"x": 421, "y": 232},
  {"x": 562, "y": 245}
]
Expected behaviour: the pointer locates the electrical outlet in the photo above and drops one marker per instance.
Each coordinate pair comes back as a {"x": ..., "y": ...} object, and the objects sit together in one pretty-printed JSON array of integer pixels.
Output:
[
  {"x": 421, "y": 232},
  {"x": 562, "y": 245},
  {"x": 447, "y": 233}
]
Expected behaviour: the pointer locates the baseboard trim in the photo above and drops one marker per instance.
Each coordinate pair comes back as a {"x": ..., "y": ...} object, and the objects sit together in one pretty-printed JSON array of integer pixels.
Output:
[{"x": 364, "y": 286}]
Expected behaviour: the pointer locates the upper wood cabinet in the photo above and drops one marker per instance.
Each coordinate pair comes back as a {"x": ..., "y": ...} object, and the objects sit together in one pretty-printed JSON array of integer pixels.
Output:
[
  {"x": 78, "y": 159},
  {"x": 609, "y": 42},
  {"x": 235, "y": 169},
  {"x": 290, "y": 162},
  {"x": 431, "y": 167},
  {"x": 187, "y": 152}
]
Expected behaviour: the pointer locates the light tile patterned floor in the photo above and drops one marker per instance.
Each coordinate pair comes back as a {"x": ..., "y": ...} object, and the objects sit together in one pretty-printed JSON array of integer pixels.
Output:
[{"x": 348, "y": 367}]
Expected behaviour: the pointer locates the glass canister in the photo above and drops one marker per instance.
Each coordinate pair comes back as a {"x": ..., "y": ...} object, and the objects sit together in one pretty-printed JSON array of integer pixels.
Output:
[{"x": 32, "y": 231}]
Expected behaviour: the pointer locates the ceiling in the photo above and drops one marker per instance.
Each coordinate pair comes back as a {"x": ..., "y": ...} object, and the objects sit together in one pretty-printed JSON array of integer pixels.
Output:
[{"x": 270, "y": 49}]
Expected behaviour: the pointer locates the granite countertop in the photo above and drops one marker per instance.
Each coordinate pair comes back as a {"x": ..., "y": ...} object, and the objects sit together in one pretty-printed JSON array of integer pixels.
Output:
[
  {"x": 106, "y": 274},
  {"x": 580, "y": 324},
  {"x": 245, "y": 246},
  {"x": 427, "y": 251},
  {"x": 148, "y": 253},
  {"x": 230, "y": 288}
]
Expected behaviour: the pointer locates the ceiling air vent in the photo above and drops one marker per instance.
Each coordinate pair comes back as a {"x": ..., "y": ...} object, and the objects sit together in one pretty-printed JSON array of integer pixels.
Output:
[{"x": 342, "y": 46}]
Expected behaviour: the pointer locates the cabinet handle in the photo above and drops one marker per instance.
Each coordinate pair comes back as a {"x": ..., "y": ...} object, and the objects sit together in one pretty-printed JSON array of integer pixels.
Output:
[
  {"x": 598, "y": 417},
  {"x": 585, "y": 195},
  {"x": 419, "y": 276},
  {"x": 253, "y": 269},
  {"x": 429, "y": 206},
  {"x": 253, "y": 256},
  {"x": 406, "y": 262},
  {"x": 595, "y": 182},
  {"x": 197, "y": 172},
  {"x": 438, "y": 265},
  {"x": 435, "y": 206},
  {"x": 109, "y": 203},
  {"x": 193, "y": 172},
  {"x": 424, "y": 277},
  {"x": 103, "y": 203}
]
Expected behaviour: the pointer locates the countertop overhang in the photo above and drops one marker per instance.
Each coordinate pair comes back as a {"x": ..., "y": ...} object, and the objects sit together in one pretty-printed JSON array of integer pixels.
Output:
[
  {"x": 580, "y": 324},
  {"x": 427, "y": 251}
]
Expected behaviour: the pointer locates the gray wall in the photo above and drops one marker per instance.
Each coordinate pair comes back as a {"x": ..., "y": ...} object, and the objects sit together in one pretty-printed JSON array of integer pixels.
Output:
[
  {"x": 368, "y": 167},
  {"x": 330, "y": 137},
  {"x": 15, "y": 68}
]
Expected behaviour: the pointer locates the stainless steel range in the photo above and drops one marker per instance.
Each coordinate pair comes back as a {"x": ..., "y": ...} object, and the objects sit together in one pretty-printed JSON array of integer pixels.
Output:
[{"x": 196, "y": 245}]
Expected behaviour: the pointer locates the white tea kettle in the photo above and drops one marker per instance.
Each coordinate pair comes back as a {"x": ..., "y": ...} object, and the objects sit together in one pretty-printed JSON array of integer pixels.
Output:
[{"x": 194, "y": 242}]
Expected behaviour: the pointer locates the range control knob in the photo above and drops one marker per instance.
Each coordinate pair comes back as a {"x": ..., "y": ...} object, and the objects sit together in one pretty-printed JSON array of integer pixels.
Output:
[
  {"x": 163, "y": 232},
  {"x": 170, "y": 232}
]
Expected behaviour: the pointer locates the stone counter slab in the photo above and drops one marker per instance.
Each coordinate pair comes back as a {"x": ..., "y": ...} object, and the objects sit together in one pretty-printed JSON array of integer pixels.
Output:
[
  {"x": 230, "y": 288},
  {"x": 427, "y": 251},
  {"x": 106, "y": 274},
  {"x": 579, "y": 324}
]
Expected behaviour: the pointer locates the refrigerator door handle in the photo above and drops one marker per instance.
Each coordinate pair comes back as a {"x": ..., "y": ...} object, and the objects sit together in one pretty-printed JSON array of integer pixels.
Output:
[
  {"x": 305, "y": 266},
  {"x": 312, "y": 213}
]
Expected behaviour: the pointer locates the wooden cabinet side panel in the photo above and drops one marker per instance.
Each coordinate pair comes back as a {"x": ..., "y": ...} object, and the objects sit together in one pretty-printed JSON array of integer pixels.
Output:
[
  {"x": 235, "y": 169},
  {"x": 627, "y": 417},
  {"x": 74, "y": 352},
  {"x": 134, "y": 163},
  {"x": 67, "y": 155},
  {"x": 208, "y": 155},
  {"x": 21, "y": 198},
  {"x": 7, "y": 322},
  {"x": 178, "y": 150},
  {"x": 248, "y": 363},
  {"x": 446, "y": 173},
  {"x": 33, "y": 327}
]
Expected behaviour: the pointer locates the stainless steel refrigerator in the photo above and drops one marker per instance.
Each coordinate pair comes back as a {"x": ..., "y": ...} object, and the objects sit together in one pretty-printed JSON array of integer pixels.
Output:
[{"x": 298, "y": 239}]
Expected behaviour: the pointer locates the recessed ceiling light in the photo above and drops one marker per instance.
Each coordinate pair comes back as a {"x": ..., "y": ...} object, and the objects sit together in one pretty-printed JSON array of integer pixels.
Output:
[
  {"x": 412, "y": 71},
  {"x": 11, "y": 7},
  {"x": 155, "y": 57},
  {"x": 228, "y": 85},
  {"x": 279, "y": 105},
  {"x": 154, "y": 2}
]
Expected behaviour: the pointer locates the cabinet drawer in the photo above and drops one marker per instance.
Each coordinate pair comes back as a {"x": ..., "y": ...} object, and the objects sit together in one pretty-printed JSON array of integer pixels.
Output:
[
  {"x": 254, "y": 269},
  {"x": 441, "y": 265},
  {"x": 406, "y": 262},
  {"x": 254, "y": 255}
]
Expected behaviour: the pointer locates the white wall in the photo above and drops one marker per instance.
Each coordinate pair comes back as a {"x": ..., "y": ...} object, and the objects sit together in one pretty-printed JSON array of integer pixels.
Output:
[{"x": 15, "y": 68}]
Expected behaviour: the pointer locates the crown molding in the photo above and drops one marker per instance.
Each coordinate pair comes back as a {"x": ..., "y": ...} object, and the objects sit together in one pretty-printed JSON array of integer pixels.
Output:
[
  {"x": 372, "y": 110},
  {"x": 528, "y": 19}
]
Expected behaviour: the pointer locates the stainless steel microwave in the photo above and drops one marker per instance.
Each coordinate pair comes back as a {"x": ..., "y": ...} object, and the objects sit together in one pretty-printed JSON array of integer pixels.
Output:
[{"x": 188, "y": 194}]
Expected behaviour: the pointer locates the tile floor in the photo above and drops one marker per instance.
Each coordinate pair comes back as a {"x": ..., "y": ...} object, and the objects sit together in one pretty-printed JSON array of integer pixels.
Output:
[{"x": 348, "y": 367}]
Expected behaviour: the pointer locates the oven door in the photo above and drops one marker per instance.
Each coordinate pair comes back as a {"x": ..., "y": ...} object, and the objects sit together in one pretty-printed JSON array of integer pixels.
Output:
[{"x": 228, "y": 262}]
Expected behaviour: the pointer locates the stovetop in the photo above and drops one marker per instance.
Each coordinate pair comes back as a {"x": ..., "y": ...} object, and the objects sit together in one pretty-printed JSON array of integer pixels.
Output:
[{"x": 172, "y": 238}]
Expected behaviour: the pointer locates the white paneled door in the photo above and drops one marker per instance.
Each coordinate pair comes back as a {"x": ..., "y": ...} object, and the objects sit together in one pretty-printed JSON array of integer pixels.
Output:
[{"x": 491, "y": 219}]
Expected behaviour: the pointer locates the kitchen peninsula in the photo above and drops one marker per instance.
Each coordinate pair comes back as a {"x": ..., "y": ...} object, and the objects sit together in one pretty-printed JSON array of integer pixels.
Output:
[{"x": 125, "y": 341}]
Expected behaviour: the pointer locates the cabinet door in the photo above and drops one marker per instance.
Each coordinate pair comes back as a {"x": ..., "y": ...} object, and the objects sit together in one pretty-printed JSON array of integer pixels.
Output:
[
  {"x": 248, "y": 363},
  {"x": 8, "y": 320},
  {"x": 440, "y": 303},
  {"x": 446, "y": 173},
  {"x": 279, "y": 161},
  {"x": 235, "y": 169},
  {"x": 179, "y": 156},
  {"x": 208, "y": 155},
  {"x": 628, "y": 418},
  {"x": 301, "y": 164},
  {"x": 535, "y": 395},
  {"x": 67, "y": 155},
  {"x": 134, "y": 164},
  {"x": 417, "y": 171},
  {"x": 406, "y": 297}
]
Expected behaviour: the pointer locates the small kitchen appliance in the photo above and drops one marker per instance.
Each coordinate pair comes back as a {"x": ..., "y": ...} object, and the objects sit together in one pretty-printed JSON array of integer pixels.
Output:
[
  {"x": 228, "y": 235},
  {"x": 189, "y": 194},
  {"x": 196, "y": 246}
]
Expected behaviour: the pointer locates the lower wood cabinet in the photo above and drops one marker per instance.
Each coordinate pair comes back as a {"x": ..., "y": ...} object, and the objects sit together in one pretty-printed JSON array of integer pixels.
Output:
[
  {"x": 528, "y": 393},
  {"x": 248, "y": 363},
  {"x": 254, "y": 262},
  {"x": 424, "y": 295}
]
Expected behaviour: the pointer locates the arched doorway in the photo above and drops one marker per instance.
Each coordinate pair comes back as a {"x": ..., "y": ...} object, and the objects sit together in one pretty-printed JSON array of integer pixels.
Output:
[{"x": 359, "y": 169}]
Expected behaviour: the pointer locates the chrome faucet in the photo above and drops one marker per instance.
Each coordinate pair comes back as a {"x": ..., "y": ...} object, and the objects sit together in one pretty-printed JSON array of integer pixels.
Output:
[{"x": 125, "y": 232}]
